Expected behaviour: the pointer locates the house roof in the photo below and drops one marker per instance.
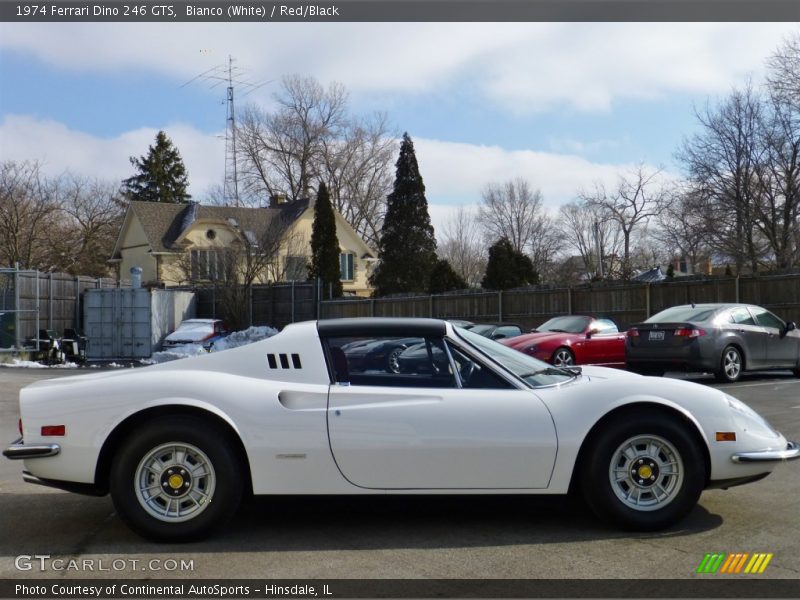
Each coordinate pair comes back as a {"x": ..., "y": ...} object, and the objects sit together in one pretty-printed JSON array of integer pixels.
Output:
[
  {"x": 164, "y": 223},
  {"x": 654, "y": 274}
]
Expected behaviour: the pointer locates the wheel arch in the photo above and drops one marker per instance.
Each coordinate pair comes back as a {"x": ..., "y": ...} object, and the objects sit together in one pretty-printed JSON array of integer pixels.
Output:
[
  {"x": 125, "y": 427},
  {"x": 628, "y": 411},
  {"x": 735, "y": 343}
]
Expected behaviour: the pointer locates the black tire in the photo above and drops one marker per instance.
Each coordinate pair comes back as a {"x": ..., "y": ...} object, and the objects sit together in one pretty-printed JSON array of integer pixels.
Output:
[
  {"x": 392, "y": 360},
  {"x": 731, "y": 365},
  {"x": 661, "y": 498},
  {"x": 200, "y": 469},
  {"x": 563, "y": 357}
]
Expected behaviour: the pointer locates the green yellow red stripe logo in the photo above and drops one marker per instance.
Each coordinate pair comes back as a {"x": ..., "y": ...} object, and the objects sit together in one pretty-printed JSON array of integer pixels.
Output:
[{"x": 735, "y": 563}]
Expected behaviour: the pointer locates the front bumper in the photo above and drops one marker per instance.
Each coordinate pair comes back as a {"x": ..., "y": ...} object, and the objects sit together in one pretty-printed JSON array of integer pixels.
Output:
[
  {"x": 19, "y": 451},
  {"x": 791, "y": 452}
]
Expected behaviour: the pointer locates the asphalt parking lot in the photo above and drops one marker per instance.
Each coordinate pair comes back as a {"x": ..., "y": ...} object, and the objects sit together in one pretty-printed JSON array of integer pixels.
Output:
[{"x": 423, "y": 537}]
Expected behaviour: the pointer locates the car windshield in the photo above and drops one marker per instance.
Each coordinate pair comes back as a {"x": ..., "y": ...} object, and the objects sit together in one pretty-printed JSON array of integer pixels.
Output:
[
  {"x": 533, "y": 372},
  {"x": 680, "y": 314},
  {"x": 571, "y": 324}
]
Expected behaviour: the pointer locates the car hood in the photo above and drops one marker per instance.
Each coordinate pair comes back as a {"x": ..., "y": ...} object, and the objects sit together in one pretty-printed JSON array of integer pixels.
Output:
[{"x": 190, "y": 336}]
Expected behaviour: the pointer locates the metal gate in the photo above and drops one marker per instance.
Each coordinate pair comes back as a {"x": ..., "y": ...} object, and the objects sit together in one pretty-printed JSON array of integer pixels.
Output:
[{"x": 118, "y": 323}]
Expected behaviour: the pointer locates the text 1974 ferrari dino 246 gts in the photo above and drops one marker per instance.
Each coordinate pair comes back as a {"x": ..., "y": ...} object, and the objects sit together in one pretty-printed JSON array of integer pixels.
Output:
[{"x": 177, "y": 444}]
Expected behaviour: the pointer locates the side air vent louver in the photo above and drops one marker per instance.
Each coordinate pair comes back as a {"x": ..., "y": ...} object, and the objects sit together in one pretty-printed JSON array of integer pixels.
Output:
[{"x": 273, "y": 359}]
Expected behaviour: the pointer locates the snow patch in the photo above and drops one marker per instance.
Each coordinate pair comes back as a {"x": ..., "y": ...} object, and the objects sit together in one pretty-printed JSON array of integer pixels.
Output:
[
  {"x": 29, "y": 364},
  {"x": 234, "y": 340}
]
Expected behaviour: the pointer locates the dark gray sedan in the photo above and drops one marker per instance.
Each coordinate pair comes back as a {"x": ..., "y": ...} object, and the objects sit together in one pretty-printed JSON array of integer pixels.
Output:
[{"x": 725, "y": 339}]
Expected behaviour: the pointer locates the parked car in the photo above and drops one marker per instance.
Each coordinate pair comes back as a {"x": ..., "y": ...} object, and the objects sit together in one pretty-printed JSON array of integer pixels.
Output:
[
  {"x": 574, "y": 340},
  {"x": 415, "y": 359},
  {"x": 197, "y": 331},
  {"x": 378, "y": 354},
  {"x": 725, "y": 339},
  {"x": 178, "y": 444}
]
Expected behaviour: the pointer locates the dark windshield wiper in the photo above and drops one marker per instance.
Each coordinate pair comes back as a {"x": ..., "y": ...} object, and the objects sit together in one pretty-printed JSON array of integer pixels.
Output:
[
  {"x": 557, "y": 330},
  {"x": 574, "y": 371}
]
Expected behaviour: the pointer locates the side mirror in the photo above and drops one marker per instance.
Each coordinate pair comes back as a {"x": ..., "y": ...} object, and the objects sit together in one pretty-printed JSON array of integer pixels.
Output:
[
  {"x": 591, "y": 332},
  {"x": 791, "y": 326}
]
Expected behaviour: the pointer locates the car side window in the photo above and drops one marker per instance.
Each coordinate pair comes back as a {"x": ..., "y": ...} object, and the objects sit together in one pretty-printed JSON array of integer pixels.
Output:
[
  {"x": 475, "y": 376},
  {"x": 767, "y": 319},
  {"x": 605, "y": 326},
  {"x": 390, "y": 361},
  {"x": 742, "y": 316}
]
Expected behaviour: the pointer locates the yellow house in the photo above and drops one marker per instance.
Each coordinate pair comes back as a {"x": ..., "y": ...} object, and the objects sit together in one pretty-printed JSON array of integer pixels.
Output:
[{"x": 176, "y": 244}]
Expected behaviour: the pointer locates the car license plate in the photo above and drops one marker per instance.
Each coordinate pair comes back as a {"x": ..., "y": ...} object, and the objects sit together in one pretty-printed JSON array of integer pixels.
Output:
[{"x": 656, "y": 336}]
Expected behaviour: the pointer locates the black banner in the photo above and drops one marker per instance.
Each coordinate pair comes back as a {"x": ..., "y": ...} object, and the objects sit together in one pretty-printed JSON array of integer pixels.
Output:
[
  {"x": 705, "y": 587},
  {"x": 403, "y": 11}
]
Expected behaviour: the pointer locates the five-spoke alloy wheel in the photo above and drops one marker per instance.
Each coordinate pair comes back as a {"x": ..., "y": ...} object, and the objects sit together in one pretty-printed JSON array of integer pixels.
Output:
[{"x": 731, "y": 365}]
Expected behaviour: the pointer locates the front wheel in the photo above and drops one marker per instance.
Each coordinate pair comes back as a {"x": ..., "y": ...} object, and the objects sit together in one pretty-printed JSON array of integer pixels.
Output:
[
  {"x": 176, "y": 481},
  {"x": 563, "y": 357},
  {"x": 644, "y": 473}
]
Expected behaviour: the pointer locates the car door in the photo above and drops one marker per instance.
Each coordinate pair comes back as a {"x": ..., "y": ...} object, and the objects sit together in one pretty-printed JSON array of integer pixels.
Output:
[
  {"x": 753, "y": 337},
  {"x": 430, "y": 431},
  {"x": 782, "y": 349},
  {"x": 604, "y": 346}
]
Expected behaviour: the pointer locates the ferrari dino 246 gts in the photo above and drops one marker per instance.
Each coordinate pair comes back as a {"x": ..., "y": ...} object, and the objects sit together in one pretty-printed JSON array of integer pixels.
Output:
[{"x": 178, "y": 444}]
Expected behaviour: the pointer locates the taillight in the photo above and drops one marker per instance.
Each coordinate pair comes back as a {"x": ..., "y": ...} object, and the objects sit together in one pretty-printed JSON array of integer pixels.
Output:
[
  {"x": 633, "y": 332},
  {"x": 690, "y": 333}
]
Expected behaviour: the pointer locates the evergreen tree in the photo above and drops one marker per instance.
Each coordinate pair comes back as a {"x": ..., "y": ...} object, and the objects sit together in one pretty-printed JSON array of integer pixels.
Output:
[
  {"x": 670, "y": 271},
  {"x": 325, "y": 245},
  {"x": 445, "y": 279},
  {"x": 508, "y": 268},
  {"x": 161, "y": 175},
  {"x": 407, "y": 246}
]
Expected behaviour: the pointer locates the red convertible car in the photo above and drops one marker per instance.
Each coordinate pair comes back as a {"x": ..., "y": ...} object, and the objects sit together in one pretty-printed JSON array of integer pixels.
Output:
[{"x": 574, "y": 340}]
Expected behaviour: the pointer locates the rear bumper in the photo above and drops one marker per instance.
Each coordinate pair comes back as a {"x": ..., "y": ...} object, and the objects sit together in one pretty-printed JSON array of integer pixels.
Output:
[
  {"x": 19, "y": 451},
  {"x": 791, "y": 452}
]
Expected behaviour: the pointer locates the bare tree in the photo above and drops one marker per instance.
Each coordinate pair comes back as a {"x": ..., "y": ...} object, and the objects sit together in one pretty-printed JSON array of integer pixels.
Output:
[
  {"x": 583, "y": 228},
  {"x": 682, "y": 227},
  {"x": 461, "y": 246},
  {"x": 29, "y": 211},
  {"x": 637, "y": 197},
  {"x": 358, "y": 170},
  {"x": 514, "y": 211},
  {"x": 91, "y": 216},
  {"x": 723, "y": 161}
]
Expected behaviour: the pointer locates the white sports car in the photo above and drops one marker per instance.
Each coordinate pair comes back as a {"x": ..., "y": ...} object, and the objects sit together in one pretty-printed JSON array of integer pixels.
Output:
[{"x": 177, "y": 444}]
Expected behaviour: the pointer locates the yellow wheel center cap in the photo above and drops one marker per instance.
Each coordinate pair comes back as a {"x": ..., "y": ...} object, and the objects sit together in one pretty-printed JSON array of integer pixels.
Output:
[
  {"x": 175, "y": 482},
  {"x": 644, "y": 472}
]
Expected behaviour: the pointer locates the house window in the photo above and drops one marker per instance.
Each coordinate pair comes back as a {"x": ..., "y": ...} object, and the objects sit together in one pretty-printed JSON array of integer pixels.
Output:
[
  {"x": 296, "y": 268},
  {"x": 208, "y": 265},
  {"x": 346, "y": 262}
]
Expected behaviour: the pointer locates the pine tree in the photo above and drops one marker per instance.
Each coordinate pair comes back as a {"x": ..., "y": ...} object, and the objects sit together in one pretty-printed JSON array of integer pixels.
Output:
[
  {"x": 161, "y": 175},
  {"x": 407, "y": 246},
  {"x": 325, "y": 245},
  {"x": 445, "y": 279},
  {"x": 508, "y": 268}
]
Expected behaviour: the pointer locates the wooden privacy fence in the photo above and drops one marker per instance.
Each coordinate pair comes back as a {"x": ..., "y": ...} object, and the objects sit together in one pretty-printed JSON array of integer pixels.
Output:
[
  {"x": 625, "y": 303},
  {"x": 32, "y": 300}
]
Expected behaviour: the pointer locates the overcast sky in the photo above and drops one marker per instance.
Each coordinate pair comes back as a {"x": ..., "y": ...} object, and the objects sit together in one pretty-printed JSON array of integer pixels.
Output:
[{"x": 561, "y": 105}]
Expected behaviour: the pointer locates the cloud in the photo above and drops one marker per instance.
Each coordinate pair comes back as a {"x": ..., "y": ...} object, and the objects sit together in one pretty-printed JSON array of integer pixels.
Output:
[
  {"x": 59, "y": 149},
  {"x": 520, "y": 67},
  {"x": 454, "y": 173}
]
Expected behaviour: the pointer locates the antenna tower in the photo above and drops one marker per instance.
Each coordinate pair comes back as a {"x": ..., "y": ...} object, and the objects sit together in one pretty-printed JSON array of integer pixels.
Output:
[{"x": 230, "y": 75}]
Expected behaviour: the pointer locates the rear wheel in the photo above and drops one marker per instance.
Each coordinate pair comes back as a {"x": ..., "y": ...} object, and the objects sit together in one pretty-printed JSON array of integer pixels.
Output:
[
  {"x": 731, "y": 365},
  {"x": 645, "y": 472},
  {"x": 176, "y": 481}
]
